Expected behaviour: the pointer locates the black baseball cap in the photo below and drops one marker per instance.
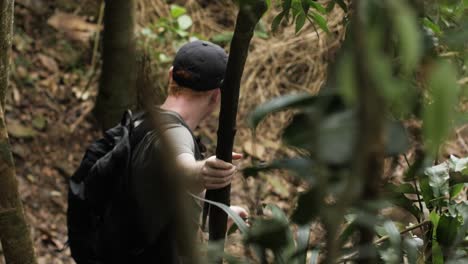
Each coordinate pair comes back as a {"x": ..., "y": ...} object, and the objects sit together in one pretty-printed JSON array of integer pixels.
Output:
[{"x": 200, "y": 65}]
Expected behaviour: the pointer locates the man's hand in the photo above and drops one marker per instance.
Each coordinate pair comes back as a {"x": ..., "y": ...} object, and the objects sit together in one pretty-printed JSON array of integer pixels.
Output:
[{"x": 216, "y": 173}]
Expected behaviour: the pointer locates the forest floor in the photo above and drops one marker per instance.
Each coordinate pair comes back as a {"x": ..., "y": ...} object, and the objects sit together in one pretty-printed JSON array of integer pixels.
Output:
[{"x": 50, "y": 122}]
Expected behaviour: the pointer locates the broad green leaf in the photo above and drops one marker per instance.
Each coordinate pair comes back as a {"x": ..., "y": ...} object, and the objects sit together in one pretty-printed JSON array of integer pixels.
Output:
[
  {"x": 397, "y": 140},
  {"x": 234, "y": 216},
  {"x": 426, "y": 192},
  {"x": 336, "y": 138},
  {"x": 438, "y": 112},
  {"x": 456, "y": 190},
  {"x": 411, "y": 246},
  {"x": 447, "y": 229},
  {"x": 177, "y": 11},
  {"x": 300, "y": 132},
  {"x": 279, "y": 215},
  {"x": 409, "y": 35},
  {"x": 185, "y": 22},
  {"x": 439, "y": 179},
  {"x": 279, "y": 104},
  {"x": 268, "y": 233},
  {"x": 402, "y": 201},
  {"x": 457, "y": 164},
  {"x": 437, "y": 256},
  {"x": 300, "y": 21},
  {"x": 308, "y": 206}
]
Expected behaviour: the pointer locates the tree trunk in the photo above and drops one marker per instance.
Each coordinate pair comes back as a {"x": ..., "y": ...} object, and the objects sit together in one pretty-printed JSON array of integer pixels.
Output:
[
  {"x": 370, "y": 148},
  {"x": 14, "y": 232},
  {"x": 247, "y": 18},
  {"x": 118, "y": 76}
]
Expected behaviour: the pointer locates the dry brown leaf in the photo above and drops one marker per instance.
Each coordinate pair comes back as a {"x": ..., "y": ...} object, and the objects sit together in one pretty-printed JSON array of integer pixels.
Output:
[
  {"x": 49, "y": 63},
  {"x": 254, "y": 150},
  {"x": 73, "y": 26}
]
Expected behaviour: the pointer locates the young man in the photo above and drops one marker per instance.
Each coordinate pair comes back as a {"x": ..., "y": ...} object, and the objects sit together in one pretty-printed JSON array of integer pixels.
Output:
[{"x": 193, "y": 93}]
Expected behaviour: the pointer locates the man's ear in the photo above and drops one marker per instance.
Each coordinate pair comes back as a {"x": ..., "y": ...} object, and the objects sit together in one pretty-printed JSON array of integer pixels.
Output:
[
  {"x": 170, "y": 72},
  {"x": 216, "y": 96}
]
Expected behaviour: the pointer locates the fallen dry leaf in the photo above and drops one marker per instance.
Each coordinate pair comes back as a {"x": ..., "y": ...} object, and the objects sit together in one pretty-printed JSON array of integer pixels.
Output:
[
  {"x": 255, "y": 150},
  {"x": 48, "y": 62},
  {"x": 73, "y": 26},
  {"x": 15, "y": 129}
]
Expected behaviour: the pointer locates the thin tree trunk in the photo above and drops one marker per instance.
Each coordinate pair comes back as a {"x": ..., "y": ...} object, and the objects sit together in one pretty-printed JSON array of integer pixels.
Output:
[
  {"x": 370, "y": 148},
  {"x": 247, "y": 19},
  {"x": 118, "y": 77},
  {"x": 14, "y": 232}
]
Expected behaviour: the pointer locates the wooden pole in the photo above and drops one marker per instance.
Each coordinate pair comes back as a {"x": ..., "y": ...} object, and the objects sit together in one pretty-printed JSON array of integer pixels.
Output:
[{"x": 249, "y": 14}]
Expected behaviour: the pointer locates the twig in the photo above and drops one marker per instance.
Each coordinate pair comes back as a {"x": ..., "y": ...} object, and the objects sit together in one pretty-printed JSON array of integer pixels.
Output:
[
  {"x": 86, "y": 111},
  {"x": 92, "y": 71},
  {"x": 416, "y": 188},
  {"x": 383, "y": 239}
]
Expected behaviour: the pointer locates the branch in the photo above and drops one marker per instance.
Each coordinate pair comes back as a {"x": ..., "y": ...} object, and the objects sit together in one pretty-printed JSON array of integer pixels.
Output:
[{"x": 383, "y": 239}]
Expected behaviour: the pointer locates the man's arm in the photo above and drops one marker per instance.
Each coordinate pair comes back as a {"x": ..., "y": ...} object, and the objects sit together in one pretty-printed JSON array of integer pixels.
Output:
[{"x": 211, "y": 173}]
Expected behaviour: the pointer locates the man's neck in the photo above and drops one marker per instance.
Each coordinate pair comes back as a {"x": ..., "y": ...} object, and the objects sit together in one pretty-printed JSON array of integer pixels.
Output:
[{"x": 189, "y": 110}]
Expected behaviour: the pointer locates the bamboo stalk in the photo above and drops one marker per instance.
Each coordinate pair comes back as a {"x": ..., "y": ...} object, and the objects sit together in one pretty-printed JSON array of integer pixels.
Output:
[{"x": 247, "y": 18}]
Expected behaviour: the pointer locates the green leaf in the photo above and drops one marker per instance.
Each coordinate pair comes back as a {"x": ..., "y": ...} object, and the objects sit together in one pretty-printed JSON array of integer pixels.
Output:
[
  {"x": 177, "y": 11},
  {"x": 302, "y": 167},
  {"x": 402, "y": 201},
  {"x": 317, "y": 6},
  {"x": 397, "y": 139},
  {"x": 432, "y": 26},
  {"x": 402, "y": 188},
  {"x": 234, "y": 216},
  {"x": 300, "y": 21},
  {"x": 268, "y": 233},
  {"x": 426, "y": 192},
  {"x": 276, "y": 21},
  {"x": 447, "y": 230},
  {"x": 222, "y": 38},
  {"x": 409, "y": 35},
  {"x": 438, "y": 113},
  {"x": 185, "y": 22},
  {"x": 330, "y": 6},
  {"x": 319, "y": 20},
  {"x": 439, "y": 179},
  {"x": 308, "y": 206},
  {"x": 456, "y": 190},
  {"x": 347, "y": 80},
  {"x": 303, "y": 237},
  {"x": 437, "y": 256},
  {"x": 342, "y": 4},
  {"x": 336, "y": 138},
  {"x": 279, "y": 104},
  {"x": 410, "y": 245}
]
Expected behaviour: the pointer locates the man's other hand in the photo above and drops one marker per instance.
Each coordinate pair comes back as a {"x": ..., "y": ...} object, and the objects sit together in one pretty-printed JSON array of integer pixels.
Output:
[{"x": 216, "y": 173}]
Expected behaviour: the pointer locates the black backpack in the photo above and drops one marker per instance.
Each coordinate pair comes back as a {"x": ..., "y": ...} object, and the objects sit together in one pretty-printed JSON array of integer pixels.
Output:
[{"x": 97, "y": 192}]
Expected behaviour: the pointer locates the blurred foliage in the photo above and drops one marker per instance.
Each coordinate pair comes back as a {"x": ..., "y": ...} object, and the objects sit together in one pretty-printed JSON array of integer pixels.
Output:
[{"x": 415, "y": 58}]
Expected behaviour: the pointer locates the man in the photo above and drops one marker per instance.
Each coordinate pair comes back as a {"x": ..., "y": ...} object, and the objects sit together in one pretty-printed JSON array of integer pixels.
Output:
[{"x": 193, "y": 93}]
